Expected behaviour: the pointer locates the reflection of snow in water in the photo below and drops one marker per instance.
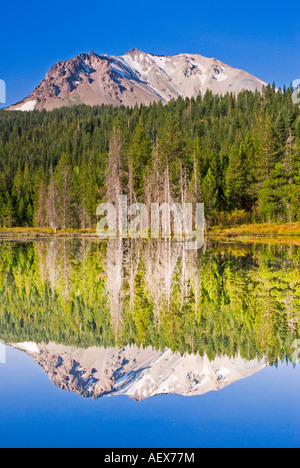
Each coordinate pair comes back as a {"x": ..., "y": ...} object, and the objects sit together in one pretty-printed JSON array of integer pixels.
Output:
[{"x": 137, "y": 372}]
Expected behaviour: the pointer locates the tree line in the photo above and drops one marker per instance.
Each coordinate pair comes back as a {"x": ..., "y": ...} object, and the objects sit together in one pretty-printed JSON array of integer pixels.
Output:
[{"x": 239, "y": 155}]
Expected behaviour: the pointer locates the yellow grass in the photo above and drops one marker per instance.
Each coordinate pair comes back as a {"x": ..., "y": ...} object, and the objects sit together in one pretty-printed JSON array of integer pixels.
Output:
[
  {"x": 258, "y": 230},
  {"x": 44, "y": 232}
]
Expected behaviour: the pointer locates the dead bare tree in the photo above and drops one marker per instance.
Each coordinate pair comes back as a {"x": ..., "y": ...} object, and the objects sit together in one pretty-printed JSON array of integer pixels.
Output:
[{"x": 50, "y": 202}]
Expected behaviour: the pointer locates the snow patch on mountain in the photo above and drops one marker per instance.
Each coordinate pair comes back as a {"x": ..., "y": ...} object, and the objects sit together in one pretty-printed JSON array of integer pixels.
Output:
[
  {"x": 28, "y": 346},
  {"x": 27, "y": 107}
]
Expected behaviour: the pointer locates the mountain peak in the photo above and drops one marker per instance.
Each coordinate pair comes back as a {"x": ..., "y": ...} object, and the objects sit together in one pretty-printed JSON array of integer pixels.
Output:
[
  {"x": 135, "y": 52},
  {"x": 134, "y": 78},
  {"x": 92, "y": 54}
]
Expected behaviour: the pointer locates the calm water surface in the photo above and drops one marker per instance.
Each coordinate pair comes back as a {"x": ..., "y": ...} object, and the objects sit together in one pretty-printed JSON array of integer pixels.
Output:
[{"x": 136, "y": 344}]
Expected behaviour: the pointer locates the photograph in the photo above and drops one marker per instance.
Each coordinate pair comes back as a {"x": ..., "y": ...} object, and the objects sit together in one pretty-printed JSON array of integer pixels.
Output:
[{"x": 149, "y": 228}]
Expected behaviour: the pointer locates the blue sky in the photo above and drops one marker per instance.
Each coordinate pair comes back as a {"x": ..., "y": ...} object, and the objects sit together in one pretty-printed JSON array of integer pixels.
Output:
[{"x": 260, "y": 37}]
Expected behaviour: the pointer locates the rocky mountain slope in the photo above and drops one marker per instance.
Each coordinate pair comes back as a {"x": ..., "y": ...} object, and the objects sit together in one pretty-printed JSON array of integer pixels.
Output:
[
  {"x": 134, "y": 78},
  {"x": 136, "y": 372}
]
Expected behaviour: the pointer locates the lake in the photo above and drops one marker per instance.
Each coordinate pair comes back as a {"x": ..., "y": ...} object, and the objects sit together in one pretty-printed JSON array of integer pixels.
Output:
[{"x": 147, "y": 344}]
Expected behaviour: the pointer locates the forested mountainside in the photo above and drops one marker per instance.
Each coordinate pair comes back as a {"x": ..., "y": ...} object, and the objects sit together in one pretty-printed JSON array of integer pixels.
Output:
[{"x": 240, "y": 155}]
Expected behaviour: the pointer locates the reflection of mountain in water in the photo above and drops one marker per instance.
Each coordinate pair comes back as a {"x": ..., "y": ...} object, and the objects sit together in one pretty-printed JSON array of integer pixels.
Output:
[{"x": 136, "y": 372}]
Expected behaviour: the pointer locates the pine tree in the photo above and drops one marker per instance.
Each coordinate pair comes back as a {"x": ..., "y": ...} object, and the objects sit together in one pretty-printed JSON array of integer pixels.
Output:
[
  {"x": 51, "y": 210},
  {"x": 236, "y": 181},
  {"x": 114, "y": 170},
  {"x": 140, "y": 158},
  {"x": 210, "y": 195},
  {"x": 266, "y": 162},
  {"x": 171, "y": 150},
  {"x": 63, "y": 184}
]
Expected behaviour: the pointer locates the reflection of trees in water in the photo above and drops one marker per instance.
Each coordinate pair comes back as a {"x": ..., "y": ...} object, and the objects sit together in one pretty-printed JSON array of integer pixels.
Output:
[
  {"x": 113, "y": 266},
  {"x": 169, "y": 264},
  {"x": 51, "y": 262},
  {"x": 57, "y": 263},
  {"x": 232, "y": 298},
  {"x": 164, "y": 264},
  {"x": 160, "y": 259},
  {"x": 132, "y": 255}
]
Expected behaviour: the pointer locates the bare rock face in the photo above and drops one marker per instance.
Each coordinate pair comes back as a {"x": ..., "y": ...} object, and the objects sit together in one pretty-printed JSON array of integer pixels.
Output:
[
  {"x": 136, "y": 372},
  {"x": 134, "y": 78}
]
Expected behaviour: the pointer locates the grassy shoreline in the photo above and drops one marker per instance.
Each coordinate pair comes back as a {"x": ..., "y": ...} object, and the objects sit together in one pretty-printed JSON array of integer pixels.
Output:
[
  {"x": 255, "y": 231},
  {"x": 45, "y": 233}
]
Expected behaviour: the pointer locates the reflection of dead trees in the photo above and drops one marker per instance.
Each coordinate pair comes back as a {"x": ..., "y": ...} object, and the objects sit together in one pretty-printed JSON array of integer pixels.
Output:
[
  {"x": 114, "y": 282},
  {"x": 121, "y": 267},
  {"x": 41, "y": 252},
  {"x": 168, "y": 264},
  {"x": 66, "y": 268},
  {"x": 165, "y": 264},
  {"x": 170, "y": 274},
  {"x": 194, "y": 276},
  {"x": 132, "y": 264},
  {"x": 58, "y": 266},
  {"x": 291, "y": 313},
  {"x": 184, "y": 280},
  {"x": 160, "y": 259},
  {"x": 51, "y": 264}
]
